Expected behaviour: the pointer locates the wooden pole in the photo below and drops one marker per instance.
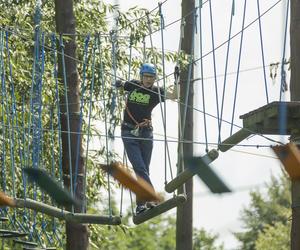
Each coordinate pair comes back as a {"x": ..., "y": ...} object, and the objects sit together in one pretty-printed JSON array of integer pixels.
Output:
[
  {"x": 295, "y": 96},
  {"x": 77, "y": 234},
  {"x": 184, "y": 223}
]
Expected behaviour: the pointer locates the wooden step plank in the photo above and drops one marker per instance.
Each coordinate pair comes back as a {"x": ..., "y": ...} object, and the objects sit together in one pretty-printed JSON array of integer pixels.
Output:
[
  {"x": 38, "y": 248},
  {"x": 143, "y": 190},
  {"x": 6, "y": 233},
  {"x": 200, "y": 166},
  {"x": 289, "y": 155},
  {"x": 159, "y": 209},
  {"x": 6, "y": 200},
  {"x": 3, "y": 219},
  {"x": 61, "y": 195},
  {"x": 234, "y": 139},
  {"x": 187, "y": 174},
  {"x": 27, "y": 243}
]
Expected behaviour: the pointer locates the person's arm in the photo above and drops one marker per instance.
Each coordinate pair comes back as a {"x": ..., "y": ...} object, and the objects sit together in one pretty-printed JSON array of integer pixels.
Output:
[
  {"x": 128, "y": 85},
  {"x": 172, "y": 92}
]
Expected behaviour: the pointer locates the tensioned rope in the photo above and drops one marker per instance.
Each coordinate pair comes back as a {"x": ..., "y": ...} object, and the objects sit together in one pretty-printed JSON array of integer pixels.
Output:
[
  {"x": 226, "y": 67},
  {"x": 214, "y": 65},
  {"x": 202, "y": 73},
  {"x": 282, "y": 89},
  {"x": 173, "y": 141},
  {"x": 262, "y": 51},
  {"x": 219, "y": 46},
  {"x": 238, "y": 66}
]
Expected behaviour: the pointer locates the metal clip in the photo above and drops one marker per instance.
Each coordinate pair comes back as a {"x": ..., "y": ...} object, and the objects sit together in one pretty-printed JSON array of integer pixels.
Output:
[{"x": 135, "y": 132}]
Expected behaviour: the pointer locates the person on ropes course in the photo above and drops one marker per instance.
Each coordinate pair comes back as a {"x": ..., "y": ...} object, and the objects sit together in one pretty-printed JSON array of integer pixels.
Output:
[{"x": 136, "y": 128}]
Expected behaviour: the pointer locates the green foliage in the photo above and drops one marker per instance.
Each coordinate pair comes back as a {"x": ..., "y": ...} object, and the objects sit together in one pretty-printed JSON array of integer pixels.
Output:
[
  {"x": 158, "y": 233},
  {"x": 16, "y": 56},
  {"x": 205, "y": 241},
  {"x": 275, "y": 237},
  {"x": 265, "y": 213}
]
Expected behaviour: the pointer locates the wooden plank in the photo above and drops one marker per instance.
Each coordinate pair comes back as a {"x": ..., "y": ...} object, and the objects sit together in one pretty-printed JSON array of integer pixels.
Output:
[
  {"x": 200, "y": 166},
  {"x": 3, "y": 219},
  {"x": 159, "y": 209},
  {"x": 234, "y": 139},
  {"x": 37, "y": 248},
  {"x": 61, "y": 195},
  {"x": 27, "y": 243},
  {"x": 187, "y": 174},
  {"x": 143, "y": 190},
  {"x": 66, "y": 215},
  {"x": 6, "y": 233},
  {"x": 6, "y": 200},
  {"x": 289, "y": 155}
]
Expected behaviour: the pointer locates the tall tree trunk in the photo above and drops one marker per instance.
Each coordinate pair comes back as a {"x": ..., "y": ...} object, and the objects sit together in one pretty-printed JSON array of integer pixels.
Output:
[
  {"x": 184, "y": 222},
  {"x": 295, "y": 96},
  {"x": 77, "y": 234}
]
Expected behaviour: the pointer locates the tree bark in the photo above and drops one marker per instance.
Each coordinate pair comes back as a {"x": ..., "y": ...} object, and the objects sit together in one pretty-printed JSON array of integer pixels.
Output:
[
  {"x": 77, "y": 234},
  {"x": 184, "y": 222},
  {"x": 295, "y": 96}
]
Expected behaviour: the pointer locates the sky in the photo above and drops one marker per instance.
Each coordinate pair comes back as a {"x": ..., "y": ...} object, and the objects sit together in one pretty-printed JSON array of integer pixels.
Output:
[{"x": 244, "y": 168}]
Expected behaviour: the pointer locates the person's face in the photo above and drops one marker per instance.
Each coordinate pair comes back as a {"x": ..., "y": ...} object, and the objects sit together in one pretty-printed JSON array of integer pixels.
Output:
[{"x": 148, "y": 80}]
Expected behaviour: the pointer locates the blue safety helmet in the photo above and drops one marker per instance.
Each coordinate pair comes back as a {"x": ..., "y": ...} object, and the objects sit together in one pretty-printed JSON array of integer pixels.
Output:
[{"x": 148, "y": 68}]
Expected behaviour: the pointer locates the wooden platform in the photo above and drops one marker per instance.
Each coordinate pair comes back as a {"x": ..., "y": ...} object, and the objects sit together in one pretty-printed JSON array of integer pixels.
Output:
[
  {"x": 289, "y": 155},
  {"x": 268, "y": 120},
  {"x": 143, "y": 190}
]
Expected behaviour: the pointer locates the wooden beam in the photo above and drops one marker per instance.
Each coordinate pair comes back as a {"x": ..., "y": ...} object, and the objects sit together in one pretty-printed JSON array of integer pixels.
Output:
[
  {"x": 66, "y": 215},
  {"x": 143, "y": 190},
  {"x": 6, "y": 200},
  {"x": 26, "y": 243},
  {"x": 159, "y": 209},
  {"x": 6, "y": 233},
  {"x": 58, "y": 193},
  {"x": 234, "y": 139},
  {"x": 200, "y": 166},
  {"x": 289, "y": 155},
  {"x": 186, "y": 174}
]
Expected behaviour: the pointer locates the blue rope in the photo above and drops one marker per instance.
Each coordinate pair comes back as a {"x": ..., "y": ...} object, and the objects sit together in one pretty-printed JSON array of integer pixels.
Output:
[
  {"x": 262, "y": 51},
  {"x": 214, "y": 61},
  {"x": 3, "y": 95},
  {"x": 89, "y": 119},
  {"x": 164, "y": 118},
  {"x": 11, "y": 121},
  {"x": 57, "y": 100},
  {"x": 124, "y": 152},
  {"x": 67, "y": 113},
  {"x": 111, "y": 131},
  {"x": 282, "y": 106},
  {"x": 283, "y": 74},
  {"x": 202, "y": 75},
  {"x": 238, "y": 69},
  {"x": 86, "y": 45},
  {"x": 226, "y": 68},
  {"x": 105, "y": 121},
  {"x": 37, "y": 88}
]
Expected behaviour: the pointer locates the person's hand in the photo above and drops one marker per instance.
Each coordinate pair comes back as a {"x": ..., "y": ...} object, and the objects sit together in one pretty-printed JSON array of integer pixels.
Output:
[
  {"x": 118, "y": 83},
  {"x": 176, "y": 75}
]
